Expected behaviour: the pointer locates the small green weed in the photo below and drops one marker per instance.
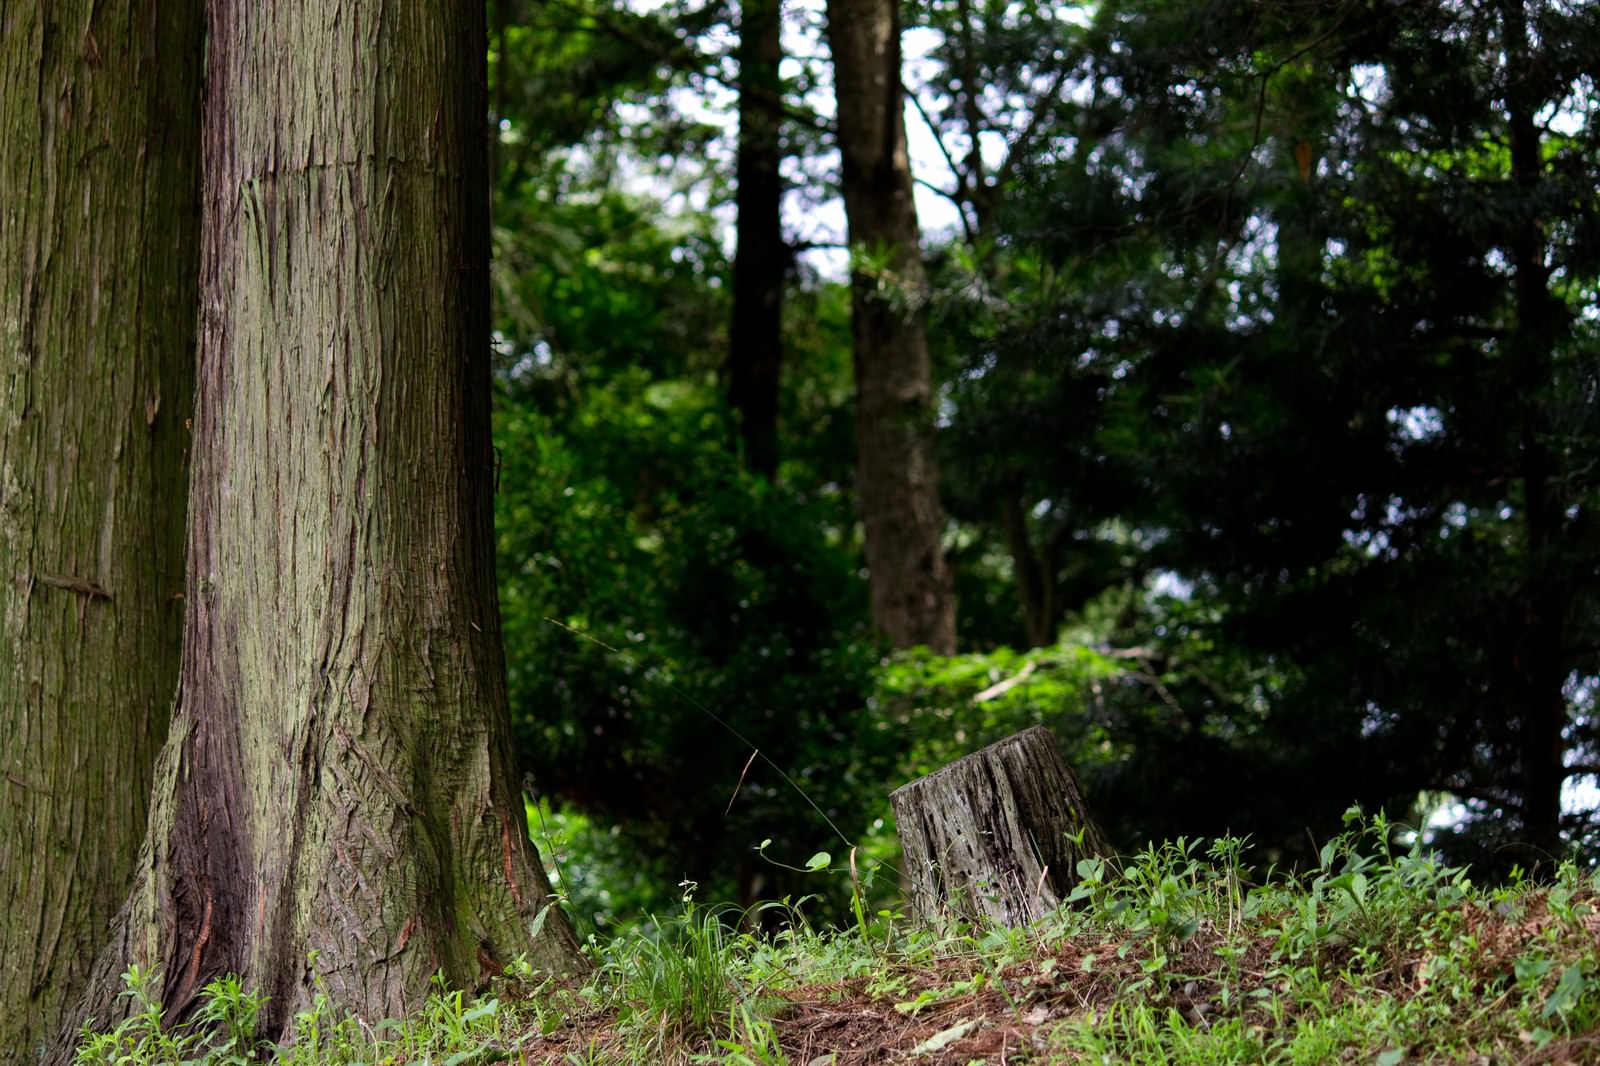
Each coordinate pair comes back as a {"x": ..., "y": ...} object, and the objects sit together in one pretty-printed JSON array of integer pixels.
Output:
[{"x": 141, "y": 1038}]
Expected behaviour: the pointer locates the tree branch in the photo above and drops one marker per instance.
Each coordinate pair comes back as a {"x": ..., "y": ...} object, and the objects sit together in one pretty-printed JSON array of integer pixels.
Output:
[
  {"x": 1008, "y": 166},
  {"x": 684, "y": 55},
  {"x": 954, "y": 198},
  {"x": 933, "y": 128},
  {"x": 961, "y": 197}
]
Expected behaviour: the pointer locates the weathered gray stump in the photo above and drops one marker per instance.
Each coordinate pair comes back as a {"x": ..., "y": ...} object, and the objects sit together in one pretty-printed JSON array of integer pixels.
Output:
[{"x": 995, "y": 836}]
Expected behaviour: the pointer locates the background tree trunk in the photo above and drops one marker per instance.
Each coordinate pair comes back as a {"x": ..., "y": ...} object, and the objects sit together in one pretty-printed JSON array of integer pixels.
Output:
[
  {"x": 1036, "y": 573},
  {"x": 755, "y": 357},
  {"x": 896, "y": 478},
  {"x": 99, "y": 246},
  {"x": 1537, "y": 665},
  {"x": 339, "y": 776}
]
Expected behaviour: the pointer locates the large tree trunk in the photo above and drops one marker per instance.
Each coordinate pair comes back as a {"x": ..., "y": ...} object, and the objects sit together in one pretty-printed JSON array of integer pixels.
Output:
[
  {"x": 339, "y": 775},
  {"x": 755, "y": 356},
  {"x": 896, "y": 478},
  {"x": 99, "y": 246}
]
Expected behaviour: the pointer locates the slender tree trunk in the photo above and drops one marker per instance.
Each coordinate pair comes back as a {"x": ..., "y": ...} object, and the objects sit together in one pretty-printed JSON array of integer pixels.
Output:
[
  {"x": 99, "y": 250},
  {"x": 755, "y": 357},
  {"x": 1035, "y": 576},
  {"x": 1537, "y": 648},
  {"x": 339, "y": 775},
  {"x": 896, "y": 477},
  {"x": 974, "y": 184}
]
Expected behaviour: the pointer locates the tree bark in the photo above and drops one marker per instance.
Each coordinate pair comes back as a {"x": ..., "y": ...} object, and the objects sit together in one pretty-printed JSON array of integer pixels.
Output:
[
  {"x": 339, "y": 776},
  {"x": 1537, "y": 666},
  {"x": 755, "y": 357},
  {"x": 996, "y": 836},
  {"x": 896, "y": 478},
  {"x": 99, "y": 249}
]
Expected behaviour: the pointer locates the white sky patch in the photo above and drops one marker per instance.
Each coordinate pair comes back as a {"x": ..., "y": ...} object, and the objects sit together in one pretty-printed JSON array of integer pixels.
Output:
[
  {"x": 1568, "y": 117},
  {"x": 1170, "y": 583},
  {"x": 1416, "y": 423},
  {"x": 1580, "y": 794},
  {"x": 1369, "y": 83}
]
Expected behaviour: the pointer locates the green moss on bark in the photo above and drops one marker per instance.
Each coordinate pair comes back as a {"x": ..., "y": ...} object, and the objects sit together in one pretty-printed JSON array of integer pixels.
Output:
[
  {"x": 338, "y": 801},
  {"x": 99, "y": 237}
]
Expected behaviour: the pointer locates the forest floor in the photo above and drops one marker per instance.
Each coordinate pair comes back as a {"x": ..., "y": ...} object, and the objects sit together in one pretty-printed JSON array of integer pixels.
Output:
[
  {"x": 1380, "y": 955},
  {"x": 1512, "y": 983}
]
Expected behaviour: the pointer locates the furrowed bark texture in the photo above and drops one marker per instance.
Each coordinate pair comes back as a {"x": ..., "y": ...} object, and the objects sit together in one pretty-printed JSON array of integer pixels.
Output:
[
  {"x": 755, "y": 357},
  {"x": 896, "y": 477},
  {"x": 99, "y": 251},
  {"x": 996, "y": 836},
  {"x": 339, "y": 778}
]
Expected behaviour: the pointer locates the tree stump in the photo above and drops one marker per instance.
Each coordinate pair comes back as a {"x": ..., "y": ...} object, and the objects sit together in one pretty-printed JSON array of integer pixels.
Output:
[{"x": 995, "y": 836}]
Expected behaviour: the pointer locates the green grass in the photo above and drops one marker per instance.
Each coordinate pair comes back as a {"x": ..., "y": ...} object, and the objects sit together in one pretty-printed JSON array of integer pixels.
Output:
[{"x": 1179, "y": 954}]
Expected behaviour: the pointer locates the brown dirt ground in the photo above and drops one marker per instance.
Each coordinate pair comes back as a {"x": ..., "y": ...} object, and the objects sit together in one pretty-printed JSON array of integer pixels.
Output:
[{"x": 1012, "y": 1012}]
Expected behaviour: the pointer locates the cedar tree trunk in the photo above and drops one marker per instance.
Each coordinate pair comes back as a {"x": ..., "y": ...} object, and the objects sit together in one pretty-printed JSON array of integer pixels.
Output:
[
  {"x": 896, "y": 477},
  {"x": 339, "y": 776},
  {"x": 99, "y": 252},
  {"x": 755, "y": 356}
]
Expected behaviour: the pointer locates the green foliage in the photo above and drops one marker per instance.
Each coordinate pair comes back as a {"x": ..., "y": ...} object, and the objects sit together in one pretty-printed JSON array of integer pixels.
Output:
[
  {"x": 1250, "y": 427},
  {"x": 561, "y": 71},
  {"x": 140, "y": 1038},
  {"x": 947, "y": 707},
  {"x": 590, "y": 284},
  {"x": 1177, "y": 710},
  {"x": 1301, "y": 302},
  {"x": 660, "y": 604},
  {"x": 1339, "y": 934},
  {"x": 606, "y": 886},
  {"x": 690, "y": 603},
  {"x": 676, "y": 978},
  {"x": 449, "y": 1028}
]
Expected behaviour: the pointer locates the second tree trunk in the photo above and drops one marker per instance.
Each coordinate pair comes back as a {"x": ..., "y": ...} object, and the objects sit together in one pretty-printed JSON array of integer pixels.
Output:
[
  {"x": 897, "y": 480},
  {"x": 755, "y": 357},
  {"x": 99, "y": 246}
]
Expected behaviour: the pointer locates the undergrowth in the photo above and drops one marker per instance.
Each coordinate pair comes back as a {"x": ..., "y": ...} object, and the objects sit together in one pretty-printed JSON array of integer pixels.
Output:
[{"x": 1180, "y": 953}]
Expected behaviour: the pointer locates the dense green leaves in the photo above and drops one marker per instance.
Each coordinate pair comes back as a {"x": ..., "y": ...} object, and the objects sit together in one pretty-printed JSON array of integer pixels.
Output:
[
  {"x": 1266, "y": 355},
  {"x": 728, "y": 620},
  {"x": 1340, "y": 332}
]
